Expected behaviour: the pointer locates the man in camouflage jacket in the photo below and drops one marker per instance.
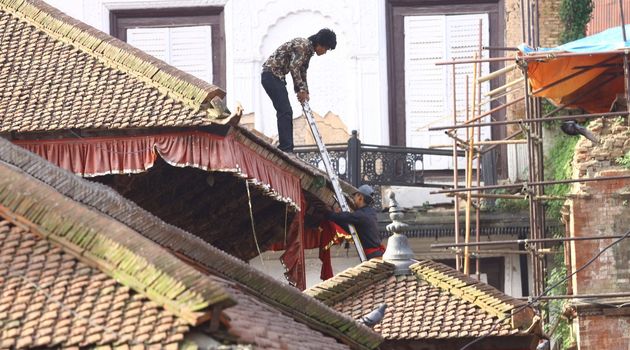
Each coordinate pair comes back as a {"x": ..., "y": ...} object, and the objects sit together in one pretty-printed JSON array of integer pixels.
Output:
[{"x": 292, "y": 57}]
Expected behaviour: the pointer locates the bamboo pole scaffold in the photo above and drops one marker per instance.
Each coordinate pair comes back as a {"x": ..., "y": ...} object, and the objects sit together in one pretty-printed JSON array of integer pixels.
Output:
[
  {"x": 524, "y": 241},
  {"x": 478, "y": 155},
  {"x": 497, "y": 73},
  {"x": 539, "y": 57},
  {"x": 536, "y": 120},
  {"x": 513, "y": 196},
  {"x": 538, "y": 183},
  {"x": 547, "y": 116},
  {"x": 531, "y": 125},
  {"x": 583, "y": 296},
  {"x": 509, "y": 137},
  {"x": 479, "y": 116},
  {"x": 469, "y": 156},
  {"x": 455, "y": 170},
  {"x": 511, "y": 252},
  {"x": 501, "y": 48},
  {"x": 504, "y": 87}
]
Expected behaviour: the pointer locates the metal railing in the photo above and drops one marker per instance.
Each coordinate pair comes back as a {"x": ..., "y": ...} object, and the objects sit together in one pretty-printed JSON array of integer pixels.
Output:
[{"x": 375, "y": 165}]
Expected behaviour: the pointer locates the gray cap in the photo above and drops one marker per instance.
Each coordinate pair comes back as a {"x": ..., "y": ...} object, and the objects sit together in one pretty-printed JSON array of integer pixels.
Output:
[{"x": 367, "y": 191}]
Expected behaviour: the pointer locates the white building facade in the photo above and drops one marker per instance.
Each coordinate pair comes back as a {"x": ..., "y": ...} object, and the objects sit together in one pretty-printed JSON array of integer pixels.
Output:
[
  {"x": 354, "y": 81},
  {"x": 350, "y": 81}
]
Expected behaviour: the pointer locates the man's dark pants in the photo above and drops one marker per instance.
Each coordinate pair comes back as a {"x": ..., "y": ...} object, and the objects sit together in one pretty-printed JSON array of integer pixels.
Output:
[{"x": 277, "y": 91}]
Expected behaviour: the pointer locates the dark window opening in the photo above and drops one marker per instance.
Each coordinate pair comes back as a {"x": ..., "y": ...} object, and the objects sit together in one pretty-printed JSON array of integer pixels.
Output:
[{"x": 494, "y": 268}]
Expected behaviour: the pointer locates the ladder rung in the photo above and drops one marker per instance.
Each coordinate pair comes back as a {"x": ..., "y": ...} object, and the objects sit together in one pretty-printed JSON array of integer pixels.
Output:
[{"x": 334, "y": 179}]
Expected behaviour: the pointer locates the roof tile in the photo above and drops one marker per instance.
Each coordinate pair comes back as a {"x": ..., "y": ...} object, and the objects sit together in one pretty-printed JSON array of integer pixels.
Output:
[
  {"x": 273, "y": 303},
  {"x": 78, "y": 81},
  {"x": 435, "y": 302},
  {"x": 48, "y": 322}
]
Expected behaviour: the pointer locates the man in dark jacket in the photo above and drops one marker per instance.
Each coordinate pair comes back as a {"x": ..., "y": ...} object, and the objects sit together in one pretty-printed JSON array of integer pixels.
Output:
[
  {"x": 292, "y": 57},
  {"x": 364, "y": 221}
]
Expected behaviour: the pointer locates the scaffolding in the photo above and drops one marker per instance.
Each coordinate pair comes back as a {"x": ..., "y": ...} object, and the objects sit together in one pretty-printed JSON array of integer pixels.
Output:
[{"x": 530, "y": 127}]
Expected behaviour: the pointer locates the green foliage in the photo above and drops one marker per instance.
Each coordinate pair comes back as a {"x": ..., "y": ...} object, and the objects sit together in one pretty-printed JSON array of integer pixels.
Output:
[
  {"x": 624, "y": 161},
  {"x": 554, "y": 308},
  {"x": 558, "y": 167},
  {"x": 502, "y": 204},
  {"x": 575, "y": 15},
  {"x": 547, "y": 107}
]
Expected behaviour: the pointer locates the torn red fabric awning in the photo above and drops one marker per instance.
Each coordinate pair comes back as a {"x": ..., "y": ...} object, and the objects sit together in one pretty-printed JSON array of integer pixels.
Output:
[
  {"x": 325, "y": 235},
  {"x": 96, "y": 156}
]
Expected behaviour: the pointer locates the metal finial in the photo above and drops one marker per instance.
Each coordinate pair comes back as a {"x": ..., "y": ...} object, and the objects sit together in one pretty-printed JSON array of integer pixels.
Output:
[
  {"x": 398, "y": 251},
  {"x": 395, "y": 214}
]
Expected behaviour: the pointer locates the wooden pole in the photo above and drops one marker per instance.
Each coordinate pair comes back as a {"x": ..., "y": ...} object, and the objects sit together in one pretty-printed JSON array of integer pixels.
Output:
[
  {"x": 497, "y": 73},
  {"x": 455, "y": 170},
  {"x": 504, "y": 87},
  {"x": 479, "y": 156},
  {"x": 469, "y": 168}
]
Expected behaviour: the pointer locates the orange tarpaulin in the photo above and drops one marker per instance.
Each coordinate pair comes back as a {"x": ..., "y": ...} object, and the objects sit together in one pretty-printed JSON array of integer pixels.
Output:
[
  {"x": 594, "y": 90},
  {"x": 586, "y": 73}
]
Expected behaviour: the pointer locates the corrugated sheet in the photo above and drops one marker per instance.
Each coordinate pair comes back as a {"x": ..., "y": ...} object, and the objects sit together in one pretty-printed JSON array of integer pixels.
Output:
[{"x": 606, "y": 14}]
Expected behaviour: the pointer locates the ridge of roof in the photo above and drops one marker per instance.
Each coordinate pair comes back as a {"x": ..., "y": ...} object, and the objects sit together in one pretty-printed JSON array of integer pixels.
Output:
[
  {"x": 51, "y": 299},
  {"x": 350, "y": 281},
  {"x": 112, "y": 52},
  {"x": 103, "y": 199},
  {"x": 484, "y": 296},
  {"x": 115, "y": 249}
]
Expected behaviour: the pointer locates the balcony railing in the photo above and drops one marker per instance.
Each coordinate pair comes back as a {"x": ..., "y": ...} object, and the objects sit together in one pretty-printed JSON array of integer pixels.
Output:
[{"x": 375, "y": 165}]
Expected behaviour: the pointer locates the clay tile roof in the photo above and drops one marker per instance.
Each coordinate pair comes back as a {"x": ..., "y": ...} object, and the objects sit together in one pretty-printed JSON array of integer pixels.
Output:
[
  {"x": 58, "y": 73},
  {"x": 48, "y": 298},
  {"x": 434, "y": 302},
  {"x": 255, "y": 322},
  {"x": 111, "y": 246},
  {"x": 49, "y": 201}
]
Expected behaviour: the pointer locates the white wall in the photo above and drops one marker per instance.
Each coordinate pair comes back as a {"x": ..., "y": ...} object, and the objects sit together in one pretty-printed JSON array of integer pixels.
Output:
[
  {"x": 350, "y": 81},
  {"x": 269, "y": 263}
]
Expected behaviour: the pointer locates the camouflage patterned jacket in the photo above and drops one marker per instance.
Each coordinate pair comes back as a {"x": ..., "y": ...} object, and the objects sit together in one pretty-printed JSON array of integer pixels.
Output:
[{"x": 291, "y": 57}]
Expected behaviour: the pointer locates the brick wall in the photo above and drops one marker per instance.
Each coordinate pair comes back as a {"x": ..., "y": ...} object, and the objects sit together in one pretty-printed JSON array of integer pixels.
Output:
[
  {"x": 550, "y": 24},
  {"x": 601, "y": 208},
  {"x": 330, "y": 126},
  {"x": 598, "y": 332}
]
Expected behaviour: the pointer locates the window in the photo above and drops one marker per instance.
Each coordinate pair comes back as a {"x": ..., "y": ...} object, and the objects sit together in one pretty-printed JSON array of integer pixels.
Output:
[
  {"x": 191, "y": 39},
  {"x": 422, "y": 32},
  {"x": 492, "y": 268},
  {"x": 428, "y": 88}
]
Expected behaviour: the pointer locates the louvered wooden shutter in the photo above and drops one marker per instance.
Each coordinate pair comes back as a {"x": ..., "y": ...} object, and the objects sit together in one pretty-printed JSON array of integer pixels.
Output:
[
  {"x": 428, "y": 88},
  {"x": 462, "y": 42},
  {"x": 186, "y": 48}
]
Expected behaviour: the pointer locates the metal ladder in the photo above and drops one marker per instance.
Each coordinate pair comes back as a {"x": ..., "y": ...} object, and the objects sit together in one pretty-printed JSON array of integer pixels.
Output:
[{"x": 332, "y": 175}]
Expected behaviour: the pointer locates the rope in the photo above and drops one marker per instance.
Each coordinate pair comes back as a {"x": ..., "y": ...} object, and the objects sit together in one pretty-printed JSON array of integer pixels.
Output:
[
  {"x": 251, "y": 217},
  {"x": 286, "y": 219}
]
